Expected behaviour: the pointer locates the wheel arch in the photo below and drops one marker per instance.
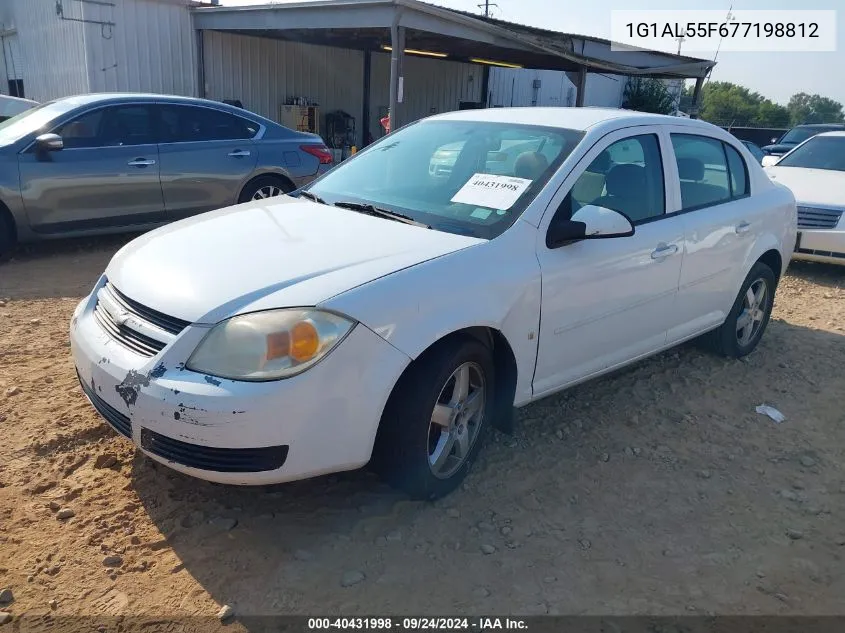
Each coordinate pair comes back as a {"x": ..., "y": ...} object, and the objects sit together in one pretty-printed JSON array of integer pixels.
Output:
[
  {"x": 504, "y": 363},
  {"x": 265, "y": 173}
]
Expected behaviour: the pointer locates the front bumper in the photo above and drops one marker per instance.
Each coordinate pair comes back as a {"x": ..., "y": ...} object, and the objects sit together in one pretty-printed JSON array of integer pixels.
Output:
[
  {"x": 323, "y": 420},
  {"x": 825, "y": 246}
]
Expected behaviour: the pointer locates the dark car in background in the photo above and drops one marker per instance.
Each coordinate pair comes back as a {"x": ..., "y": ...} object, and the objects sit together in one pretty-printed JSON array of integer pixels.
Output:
[
  {"x": 107, "y": 163},
  {"x": 798, "y": 134},
  {"x": 755, "y": 150}
]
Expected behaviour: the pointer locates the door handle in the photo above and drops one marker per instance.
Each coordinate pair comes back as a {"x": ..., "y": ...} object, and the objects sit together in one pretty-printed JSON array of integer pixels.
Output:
[
  {"x": 743, "y": 227},
  {"x": 664, "y": 250},
  {"x": 239, "y": 153},
  {"x": 141, "y": 162}
]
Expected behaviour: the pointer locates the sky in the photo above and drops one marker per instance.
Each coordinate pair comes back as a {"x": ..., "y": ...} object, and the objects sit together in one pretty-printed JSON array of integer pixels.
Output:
[{"x": 774, "y": 75}]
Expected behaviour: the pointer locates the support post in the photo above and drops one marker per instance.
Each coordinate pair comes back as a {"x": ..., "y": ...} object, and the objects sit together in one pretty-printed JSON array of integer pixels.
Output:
[
  {"x": 365, "y": 115},
  {"x": 200, "y": 63},
  {"x": 696, "y": 97},
  {"x": 397, "y": 44},
  {"x": 582, "y": 87},
  {"x": 485, "y": 86}
]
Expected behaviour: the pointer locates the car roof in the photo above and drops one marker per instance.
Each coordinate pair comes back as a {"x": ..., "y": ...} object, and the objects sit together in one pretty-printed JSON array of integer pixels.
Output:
[
  {"x": 573, "y": 118},
  {"x": 837, "y": 133},
  {"x": 828, "y": 126},
  {"x": 119, "y": 97}
]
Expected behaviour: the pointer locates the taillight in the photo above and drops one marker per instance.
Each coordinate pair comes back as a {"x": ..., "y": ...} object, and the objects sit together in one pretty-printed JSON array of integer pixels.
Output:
[{"x": 320, "y": 151}]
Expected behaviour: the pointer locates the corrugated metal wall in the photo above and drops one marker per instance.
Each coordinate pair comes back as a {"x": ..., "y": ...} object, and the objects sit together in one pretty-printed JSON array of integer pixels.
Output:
[
  {"x": 150, "y": 48},
  {"x": 264, "y": 72},
  {"x": 515, "y": 87},
  {"x": 52, "y": 49},
  {"x": 430, "y": 86},
  {"x": 605, "y": 90}
]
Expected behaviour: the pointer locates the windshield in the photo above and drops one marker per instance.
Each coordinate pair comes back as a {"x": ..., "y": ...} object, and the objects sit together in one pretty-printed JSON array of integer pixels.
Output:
[
  {"x": 13, "y": 129},
  {"x": 467, "y": 177},
  {"x": 800, "y": 134},
  {"x": 820, "y": 152}
]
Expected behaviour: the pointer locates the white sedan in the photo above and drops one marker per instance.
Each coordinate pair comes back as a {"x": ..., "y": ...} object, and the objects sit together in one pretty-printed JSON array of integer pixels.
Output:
[
  {"x": 391, "y": 314},
  {"x": 815, "y": 172}
]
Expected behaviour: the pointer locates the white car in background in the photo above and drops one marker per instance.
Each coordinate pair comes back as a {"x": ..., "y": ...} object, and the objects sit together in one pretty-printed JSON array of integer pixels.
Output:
[
  {"x": 391, "y": 315},
  {"x": 815, "y": 172},
  {"x": 13, "y": 106}
]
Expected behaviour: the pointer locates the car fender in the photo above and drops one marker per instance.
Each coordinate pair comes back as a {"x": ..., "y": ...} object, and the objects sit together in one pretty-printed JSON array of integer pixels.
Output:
[
  {"x": 777, "y": 231},
  {"x": 494, "y": 284}
]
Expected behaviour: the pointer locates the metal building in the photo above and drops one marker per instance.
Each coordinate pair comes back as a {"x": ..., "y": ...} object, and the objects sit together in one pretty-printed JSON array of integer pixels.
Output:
[
  {"x": 371, "y": 59},
  {"x": 58, "y": 48}
]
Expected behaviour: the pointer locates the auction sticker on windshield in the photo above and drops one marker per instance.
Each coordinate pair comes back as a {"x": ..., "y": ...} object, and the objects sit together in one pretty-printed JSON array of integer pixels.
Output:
[{"x": 492, "y": 191}]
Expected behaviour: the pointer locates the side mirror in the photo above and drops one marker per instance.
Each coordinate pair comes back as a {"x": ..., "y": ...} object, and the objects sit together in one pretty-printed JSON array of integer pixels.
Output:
[
  {"x": 590, "y": 222},
  {"x": 769, "y": 160},
  {"x": 49, "y": 143}
]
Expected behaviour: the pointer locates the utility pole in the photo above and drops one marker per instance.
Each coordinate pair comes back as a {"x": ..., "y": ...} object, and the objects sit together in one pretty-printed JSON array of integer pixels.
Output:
[{"x": 487, "y": 4}]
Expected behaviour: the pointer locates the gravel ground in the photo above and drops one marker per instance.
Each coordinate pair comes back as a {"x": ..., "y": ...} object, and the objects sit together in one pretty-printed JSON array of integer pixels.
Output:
[{"x": 657, "y": 490}]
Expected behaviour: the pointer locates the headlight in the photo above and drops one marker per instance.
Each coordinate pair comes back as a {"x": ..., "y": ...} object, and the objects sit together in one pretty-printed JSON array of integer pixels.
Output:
[{"x": 268, "y": 345}]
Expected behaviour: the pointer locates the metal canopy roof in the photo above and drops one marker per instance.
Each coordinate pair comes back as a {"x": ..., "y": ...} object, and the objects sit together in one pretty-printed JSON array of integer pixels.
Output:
[{"x": 366, "y": 25}]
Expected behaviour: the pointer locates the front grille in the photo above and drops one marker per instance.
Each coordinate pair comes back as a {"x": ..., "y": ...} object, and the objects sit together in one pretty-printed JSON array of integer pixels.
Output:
[
  {"x": 132, "y": 339},
  {"x": 154, "y": 317},
  {"x": 810, "y": 251},
  {"x": 118, "y": 421},
  {"x": 135, "y": 341},
  {"x": 222, "y": 460},
  {"x": 816, "y": 218}
]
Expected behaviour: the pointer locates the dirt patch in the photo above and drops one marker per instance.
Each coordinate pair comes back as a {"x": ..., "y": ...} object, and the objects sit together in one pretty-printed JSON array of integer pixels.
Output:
[{"x": 658, "y": 490}]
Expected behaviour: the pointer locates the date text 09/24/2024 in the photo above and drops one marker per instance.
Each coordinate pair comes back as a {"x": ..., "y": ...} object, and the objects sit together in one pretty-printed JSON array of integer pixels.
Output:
[{"x": 418, "y": 624}]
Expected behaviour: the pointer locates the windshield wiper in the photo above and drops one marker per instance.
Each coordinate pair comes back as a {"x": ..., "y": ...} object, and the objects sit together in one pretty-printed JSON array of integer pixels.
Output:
[
  {"x": 378, "y": 212},
  {"x": 312, "y": 196}
]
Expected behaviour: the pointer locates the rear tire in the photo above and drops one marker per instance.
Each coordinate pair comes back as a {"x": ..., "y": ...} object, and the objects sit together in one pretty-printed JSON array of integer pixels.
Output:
[
  {"x": 743, "y": 328},
  {"x": 435, "y": 420},
  {"x": 265, "y": 187}
]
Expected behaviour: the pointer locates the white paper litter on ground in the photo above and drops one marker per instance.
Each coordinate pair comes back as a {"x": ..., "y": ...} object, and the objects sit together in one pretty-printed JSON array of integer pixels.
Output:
[{"x": 773, "y": 413}]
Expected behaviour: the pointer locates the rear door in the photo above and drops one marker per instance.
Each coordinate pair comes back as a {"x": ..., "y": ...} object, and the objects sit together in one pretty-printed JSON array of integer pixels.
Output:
[
  {"x": 107, "y": 175},
  {"x": 720, "y": 224},
  {"x": 206, "y": 155}
]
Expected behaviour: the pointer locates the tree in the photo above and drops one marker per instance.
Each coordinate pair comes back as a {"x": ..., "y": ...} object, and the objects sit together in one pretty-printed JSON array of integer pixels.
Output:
[
  {"x": 804, "y": 108},
  {"x": 729, "y": 104},
  {"x": 772, "y": 115},
  {"x": 647, "y": 95}
]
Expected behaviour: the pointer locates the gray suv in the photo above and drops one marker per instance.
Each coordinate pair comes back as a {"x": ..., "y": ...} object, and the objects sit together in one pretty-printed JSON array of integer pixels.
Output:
[{"x": 106, "y": 163}]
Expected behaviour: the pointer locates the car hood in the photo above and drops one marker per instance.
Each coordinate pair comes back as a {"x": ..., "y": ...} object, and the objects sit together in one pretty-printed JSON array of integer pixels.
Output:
[
  {"x": 811, "y": 186},
  {"x": 779, "y": 148},
  {"x": 264, "y": 254}
]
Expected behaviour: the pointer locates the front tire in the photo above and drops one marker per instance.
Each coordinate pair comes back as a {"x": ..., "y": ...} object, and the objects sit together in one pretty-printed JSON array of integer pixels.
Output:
[
  {"x": 436, "y": 418},
  {"x": 743, "y": 328},
  {"x": 7, "y": 236}
]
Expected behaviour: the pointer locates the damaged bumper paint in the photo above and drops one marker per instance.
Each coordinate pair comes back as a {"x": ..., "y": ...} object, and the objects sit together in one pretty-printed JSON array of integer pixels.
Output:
[{"x": 323, "y": 420}]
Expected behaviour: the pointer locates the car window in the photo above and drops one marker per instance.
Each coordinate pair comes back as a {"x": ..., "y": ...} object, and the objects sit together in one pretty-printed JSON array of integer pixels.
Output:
[
  {"x": 738, "y": 171},
  {"x": 703, "y": 170},
  {"x": 626, "y": 177},
  {"x": 185, "y": 124},
  {"x": 820, "y": 152},
  {"x": 113, "y": 126},
  {"x": 459, "y": 176}
]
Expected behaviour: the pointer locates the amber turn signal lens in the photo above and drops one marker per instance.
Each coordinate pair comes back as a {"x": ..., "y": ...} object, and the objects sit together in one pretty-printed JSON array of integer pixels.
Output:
[{"x": 304, "y": 341}]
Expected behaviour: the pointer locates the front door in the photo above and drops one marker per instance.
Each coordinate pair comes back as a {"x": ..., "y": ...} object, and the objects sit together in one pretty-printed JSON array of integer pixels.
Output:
[
  {"x": 206, "y": 155},
  {"x": 107, "y": 175},
  {"x": 609, "y": 301}
]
